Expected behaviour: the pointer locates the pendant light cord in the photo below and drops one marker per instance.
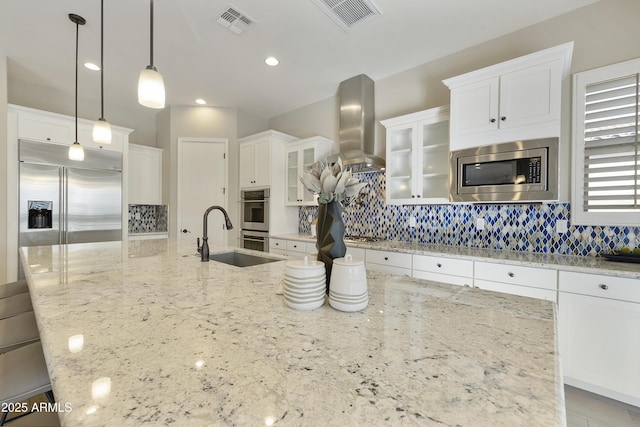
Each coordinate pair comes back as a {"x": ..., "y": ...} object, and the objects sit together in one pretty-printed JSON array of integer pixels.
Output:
[
  {"x": 77, "y": 29},
  {"x": 101, "y": 59},
  {"x": 151, "y": 36}
]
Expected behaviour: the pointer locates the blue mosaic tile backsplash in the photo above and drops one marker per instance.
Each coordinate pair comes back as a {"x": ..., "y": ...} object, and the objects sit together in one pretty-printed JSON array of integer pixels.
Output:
[
  {"x": 148, "y": 218},
  {"x": 517, "y": 227}
]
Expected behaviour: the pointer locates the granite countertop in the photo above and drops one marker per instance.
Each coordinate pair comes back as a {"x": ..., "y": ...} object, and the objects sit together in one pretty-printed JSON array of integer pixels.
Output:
[
  {"x": 183, "y": 342},
  {"x": 585, "y": 264}
]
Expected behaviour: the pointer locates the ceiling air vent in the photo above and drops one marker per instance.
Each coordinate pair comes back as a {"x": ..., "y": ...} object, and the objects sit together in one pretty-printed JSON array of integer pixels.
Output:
[
  {"x": 234, "y": 20},
  {"x": 348, "y": 13}
]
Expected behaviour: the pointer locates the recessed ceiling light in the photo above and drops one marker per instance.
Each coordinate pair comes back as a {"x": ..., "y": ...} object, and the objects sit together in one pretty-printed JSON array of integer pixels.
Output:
[
  {"x": 91, "y": 66},
  {"x": 272, "y": 61},
  {"x": 200, "y": 101}
]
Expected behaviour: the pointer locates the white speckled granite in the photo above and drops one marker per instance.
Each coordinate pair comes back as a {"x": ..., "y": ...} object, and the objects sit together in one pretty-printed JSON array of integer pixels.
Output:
[
  {"x": 421, "y": 353},
  {"x": 597, "y": 265}
]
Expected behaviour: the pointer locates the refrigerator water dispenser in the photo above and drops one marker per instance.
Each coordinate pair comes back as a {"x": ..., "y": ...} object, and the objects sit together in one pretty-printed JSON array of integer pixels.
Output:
[{"x": 40, "y": 214}]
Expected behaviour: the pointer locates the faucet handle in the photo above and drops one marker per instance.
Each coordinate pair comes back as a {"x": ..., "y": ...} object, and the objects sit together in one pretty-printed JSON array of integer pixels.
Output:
[{"x": 198, "y": 243}]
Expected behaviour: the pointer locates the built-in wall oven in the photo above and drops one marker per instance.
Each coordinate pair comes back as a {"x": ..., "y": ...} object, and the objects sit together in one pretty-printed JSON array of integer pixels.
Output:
[
  {"x": 254, "y": 208},
  {"x": 255, "y": 240},
  {"x": 254, "y": 212}
]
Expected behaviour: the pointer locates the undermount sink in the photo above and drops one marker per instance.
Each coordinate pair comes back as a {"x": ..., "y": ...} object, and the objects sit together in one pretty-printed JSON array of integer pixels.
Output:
[{"x": 240, "y": 259}]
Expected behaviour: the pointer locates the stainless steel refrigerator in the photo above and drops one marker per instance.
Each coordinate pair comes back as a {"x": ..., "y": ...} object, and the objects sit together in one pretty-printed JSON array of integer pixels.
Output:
[{"x": 66, "y": 201}]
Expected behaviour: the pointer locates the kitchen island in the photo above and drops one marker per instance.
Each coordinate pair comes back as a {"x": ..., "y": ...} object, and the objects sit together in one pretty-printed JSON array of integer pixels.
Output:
[{"x": 170, "y": 340}]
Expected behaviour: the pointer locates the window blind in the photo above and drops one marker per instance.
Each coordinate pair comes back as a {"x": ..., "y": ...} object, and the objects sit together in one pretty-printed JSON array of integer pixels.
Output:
[{"x": 611, "y": 151}]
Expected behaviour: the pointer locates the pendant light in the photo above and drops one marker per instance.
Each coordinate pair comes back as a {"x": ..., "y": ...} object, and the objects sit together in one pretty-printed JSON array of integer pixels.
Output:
[
  {"x": 151, "y": 84},
  {"x": 75, "y": 150},
  {"x": 102, "y": 128}
]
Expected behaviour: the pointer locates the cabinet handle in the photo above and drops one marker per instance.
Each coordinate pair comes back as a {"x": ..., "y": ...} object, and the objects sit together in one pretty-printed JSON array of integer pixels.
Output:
[
  {"x": 603, "y": 287},
  {"x": 295, "y": 246},
  {"x": 503, "y": 118},
  {"x": 386, "y": 258},
  {"x": 439, "y": 265},
  {"x": 184, "y": 230},
  {"x": 510, "y": 274},
  {"x": 492, "y": 120}
]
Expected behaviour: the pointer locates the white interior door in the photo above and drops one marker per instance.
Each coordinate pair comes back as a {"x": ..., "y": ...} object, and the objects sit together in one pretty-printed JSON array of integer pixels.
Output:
[{"x": 202, "y": 183}]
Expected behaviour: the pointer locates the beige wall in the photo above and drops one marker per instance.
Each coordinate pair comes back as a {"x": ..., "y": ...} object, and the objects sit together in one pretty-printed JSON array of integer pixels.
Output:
[
  {"x": 202, "y": 122},
  {"x": 141, "y": 119},
  {"x": 3, "y": 176},
  {"x": 605, "y": 32}
]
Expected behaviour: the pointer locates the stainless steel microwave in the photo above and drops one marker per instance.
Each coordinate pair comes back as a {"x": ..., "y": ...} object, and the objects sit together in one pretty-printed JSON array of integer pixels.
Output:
[{"x": 509, "y": 172}]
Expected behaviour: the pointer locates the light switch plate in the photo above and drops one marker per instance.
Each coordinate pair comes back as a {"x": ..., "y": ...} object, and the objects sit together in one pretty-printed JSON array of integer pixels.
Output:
[
  {"x": 562, "y": 226},
  {"x": 480, "y": 223},
  {"x": 412, "y": 221}
]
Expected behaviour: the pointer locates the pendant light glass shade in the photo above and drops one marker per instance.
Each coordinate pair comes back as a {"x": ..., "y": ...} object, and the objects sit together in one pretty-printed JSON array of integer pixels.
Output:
[
  {"x": 150, "y": 83},
  {"x": 102, "y": 131},
  {"x": 76, "y": 152},
  {"x": 102, "y": 128},
  {"x": 151, "y": 88}
]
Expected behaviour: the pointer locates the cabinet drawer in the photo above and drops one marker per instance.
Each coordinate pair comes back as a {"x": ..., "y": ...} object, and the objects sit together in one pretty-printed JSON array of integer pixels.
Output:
[
  {"x": 296, "y": 246},
  {"x": 523, "y": 291},
  {"x": 517, "y": 275},
  {"x": 394, "y": 259},
  {"x": 356, "y": 253},
  {"x": 452, "y": 266},
  {"x": 277, "y": 244},
  {"x": 620, "y": 288},
  {"x": 443, "y": 278}
]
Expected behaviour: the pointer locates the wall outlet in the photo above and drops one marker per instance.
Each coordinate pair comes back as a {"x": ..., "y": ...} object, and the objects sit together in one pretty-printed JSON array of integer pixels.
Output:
[
  {"x": 562, "y": 226},
  {"x": 412, "y": 221},
  {"x": 480, "y": 223}
]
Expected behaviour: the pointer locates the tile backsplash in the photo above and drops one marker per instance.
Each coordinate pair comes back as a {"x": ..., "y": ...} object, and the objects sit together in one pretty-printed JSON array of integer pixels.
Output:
[
  {"x": 148, "y": 218},
  {"x": 518, "y": 227}
]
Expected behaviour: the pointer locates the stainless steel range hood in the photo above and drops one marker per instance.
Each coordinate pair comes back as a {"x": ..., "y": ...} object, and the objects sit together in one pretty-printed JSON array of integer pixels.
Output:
[{"x": 357, "y": 126}]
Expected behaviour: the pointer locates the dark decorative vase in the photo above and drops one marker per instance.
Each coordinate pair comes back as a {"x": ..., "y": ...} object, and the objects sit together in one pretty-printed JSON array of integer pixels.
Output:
[{"x": 330, "y": 233}]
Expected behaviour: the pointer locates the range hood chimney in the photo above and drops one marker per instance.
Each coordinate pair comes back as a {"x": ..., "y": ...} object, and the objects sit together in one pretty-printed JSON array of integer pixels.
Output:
[{"x": 357, "y": 126}]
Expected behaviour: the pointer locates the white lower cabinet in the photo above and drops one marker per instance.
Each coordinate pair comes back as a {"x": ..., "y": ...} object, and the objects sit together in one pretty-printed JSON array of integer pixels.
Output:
[
  {"x": 599, "y": 329},
  {"x": 531, "y": 282},
  {"x": 388, "y": 262},
  {"x": 356, "y": 253},
  {"x": 291, "y": 248},
  {"x": 454, "y": 271}
]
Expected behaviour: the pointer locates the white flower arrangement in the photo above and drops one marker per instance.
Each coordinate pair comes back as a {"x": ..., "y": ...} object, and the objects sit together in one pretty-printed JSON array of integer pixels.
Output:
[{"x": 332, "y": 183}]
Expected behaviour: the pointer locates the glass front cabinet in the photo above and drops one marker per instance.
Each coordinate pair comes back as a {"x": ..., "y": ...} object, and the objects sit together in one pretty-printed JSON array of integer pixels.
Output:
[
  {"x": 300, "y": 156},
  {"x": 418, "y": 158}
]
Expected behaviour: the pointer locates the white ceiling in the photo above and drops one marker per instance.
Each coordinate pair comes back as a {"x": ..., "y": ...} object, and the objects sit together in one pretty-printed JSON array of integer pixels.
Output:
[{"x": 199, "y": 58}]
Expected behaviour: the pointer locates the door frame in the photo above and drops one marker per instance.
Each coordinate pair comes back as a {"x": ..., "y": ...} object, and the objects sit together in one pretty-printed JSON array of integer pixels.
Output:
[{"x": 181, "y": 141}]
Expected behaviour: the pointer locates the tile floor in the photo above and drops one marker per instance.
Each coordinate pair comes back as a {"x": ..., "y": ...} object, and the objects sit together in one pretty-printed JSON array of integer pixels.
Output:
[{"x": 586, "y": 409}]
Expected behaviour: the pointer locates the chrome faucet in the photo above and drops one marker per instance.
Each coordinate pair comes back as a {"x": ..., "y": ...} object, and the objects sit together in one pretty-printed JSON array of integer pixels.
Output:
[{"x": 204, "y": 250}]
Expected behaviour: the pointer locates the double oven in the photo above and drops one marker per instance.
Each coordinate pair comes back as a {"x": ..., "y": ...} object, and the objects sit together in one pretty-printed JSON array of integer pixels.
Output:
[{"x": 254, "y": 212}]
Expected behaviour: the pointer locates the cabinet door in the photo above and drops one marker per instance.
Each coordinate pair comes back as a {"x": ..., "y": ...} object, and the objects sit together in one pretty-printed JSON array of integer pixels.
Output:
[
  {"x": 401, "y": 161},
  {"x": 145, "y": 175},
  {"x": 600, "y": 345},
  {"x": 308, "y": 155},
  {"x": 262, "y": 163},
  {"x": 530, "y": 96},
  {"x": 432, "y": 162},
  {"x": 247, "y": 165},
  {"x": 40, "y": 127},
  {"x": 293, "y": 182},
  {"x": 474, "y": 108}
]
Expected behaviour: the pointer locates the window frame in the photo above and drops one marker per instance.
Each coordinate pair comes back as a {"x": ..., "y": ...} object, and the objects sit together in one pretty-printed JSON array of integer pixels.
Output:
[{"x": 579, "y": 216}]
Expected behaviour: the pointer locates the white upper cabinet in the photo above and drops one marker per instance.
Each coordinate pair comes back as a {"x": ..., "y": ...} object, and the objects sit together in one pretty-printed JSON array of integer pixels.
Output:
[
  {"x": 261, "y": 158},
  {"x": 514, "y": 100},
  {"x": 145, "y": 175},
  {"x": 299, "y": 156},
  {"x": 418, "y": 158},
  {"x": 38, "y": 125}
]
